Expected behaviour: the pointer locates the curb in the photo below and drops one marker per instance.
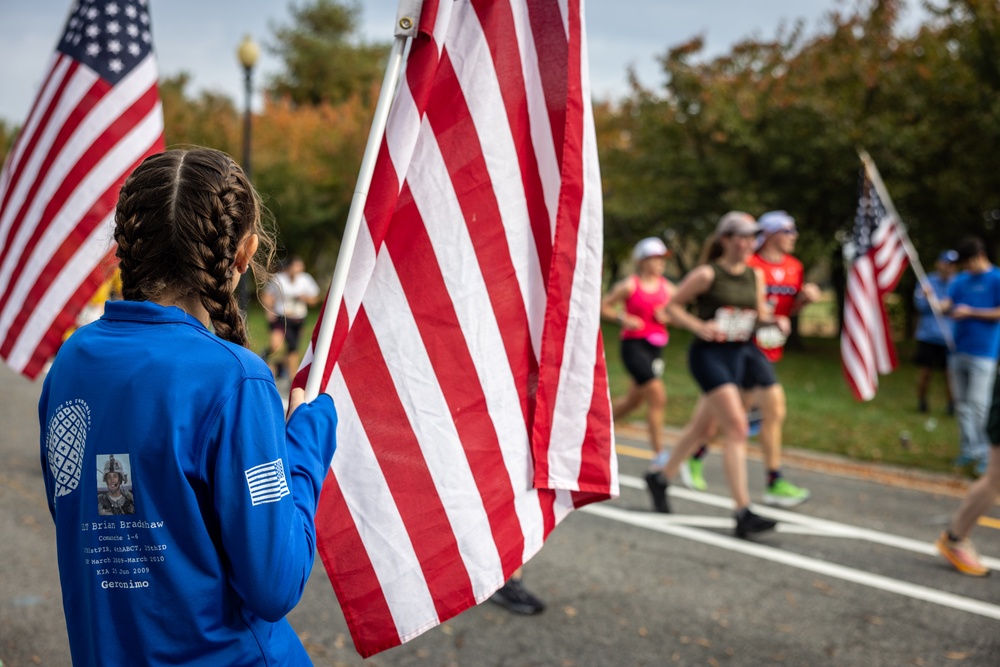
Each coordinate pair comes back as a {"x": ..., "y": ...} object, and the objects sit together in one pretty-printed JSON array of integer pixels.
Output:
[{"x": 945, "y": 484}]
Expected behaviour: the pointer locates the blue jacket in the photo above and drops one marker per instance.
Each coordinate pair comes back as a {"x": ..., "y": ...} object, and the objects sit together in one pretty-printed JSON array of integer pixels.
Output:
[
  {"x": 976, "y": 337},
  {"x": 928, "y": 329},
  {"x": 222, "y": 538}
]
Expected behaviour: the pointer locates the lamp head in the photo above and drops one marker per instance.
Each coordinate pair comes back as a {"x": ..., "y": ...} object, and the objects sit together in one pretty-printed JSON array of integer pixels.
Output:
[{"x": 248, "y": 52}]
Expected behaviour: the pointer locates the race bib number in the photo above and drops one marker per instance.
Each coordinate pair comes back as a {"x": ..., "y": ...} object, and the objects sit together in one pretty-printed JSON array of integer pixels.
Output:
[
  {"x": 770, "y": 337},
  {"x": 295, "y": 309},
  {"x": 735, "y": 324}
]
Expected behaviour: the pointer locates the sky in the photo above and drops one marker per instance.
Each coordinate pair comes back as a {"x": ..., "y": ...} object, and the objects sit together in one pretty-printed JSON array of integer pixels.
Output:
[{"x": 200, "y": 37}]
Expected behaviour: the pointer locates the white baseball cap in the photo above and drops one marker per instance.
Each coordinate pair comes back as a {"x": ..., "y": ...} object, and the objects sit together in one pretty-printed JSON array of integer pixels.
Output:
[
  {"x": 773, "y": 222},
  {"x": 649, "y": 247},
  {"x": 737, "y": 222}
]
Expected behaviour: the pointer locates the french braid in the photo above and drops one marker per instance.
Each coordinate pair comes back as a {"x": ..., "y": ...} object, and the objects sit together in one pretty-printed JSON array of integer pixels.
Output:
[{"x": 179, "y": 221}]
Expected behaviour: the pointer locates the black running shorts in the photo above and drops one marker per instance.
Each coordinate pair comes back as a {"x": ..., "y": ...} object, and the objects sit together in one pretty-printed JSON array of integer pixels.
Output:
[
  {"x": 742, "y": 364},
  {"x": 931, "y": 355},
  {"x": 642, "y": 359},
  {"x": 292, "y": 330},
  {"x": 759, "y": 371}
]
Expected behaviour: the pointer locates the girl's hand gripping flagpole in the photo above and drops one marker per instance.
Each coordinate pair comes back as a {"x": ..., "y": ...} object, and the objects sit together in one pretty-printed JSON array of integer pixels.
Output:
[
  {"x": 407, "y": 18},
  {"x": 911, "y": 252}
]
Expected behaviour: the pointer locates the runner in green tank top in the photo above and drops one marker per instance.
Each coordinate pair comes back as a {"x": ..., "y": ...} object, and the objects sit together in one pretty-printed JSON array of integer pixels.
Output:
[{"x": 730, "y": 304}]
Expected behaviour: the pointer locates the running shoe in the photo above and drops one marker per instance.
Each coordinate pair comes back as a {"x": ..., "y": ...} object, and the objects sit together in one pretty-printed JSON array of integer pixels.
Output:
[
  {"x": 785, "y": 494},
  {"x": 515, "y": 598},
  {"x": 658, "y": 491},
  {"x": 754, "y": 419},
  {"x": 692, "y": 474},
  {"x": 749, "y": 523},
  {"x": 962, "y": 555}
]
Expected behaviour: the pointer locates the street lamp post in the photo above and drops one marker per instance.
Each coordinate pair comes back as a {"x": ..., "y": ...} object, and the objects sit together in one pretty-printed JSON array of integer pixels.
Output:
[{"x": 247, "y": 53}]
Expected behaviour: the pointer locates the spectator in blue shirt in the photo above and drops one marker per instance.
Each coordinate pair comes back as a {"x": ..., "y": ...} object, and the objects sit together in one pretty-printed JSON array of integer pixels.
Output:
[
  {"x": 932, "y": 343},
  {"x": 974, "y": 305},
  {"x": 975, "y": 294}
]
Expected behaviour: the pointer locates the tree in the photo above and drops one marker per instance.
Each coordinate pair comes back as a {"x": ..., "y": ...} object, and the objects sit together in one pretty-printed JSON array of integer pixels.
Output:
[
  {"x": 324, "y": 61},
  {"x": 312, "y": 133},
  {"x": 776, "y": 124},
  {"x": 307, "y": 162},
  {"x": 210, "y": 119},
  {"x": 305, "y": 158}
]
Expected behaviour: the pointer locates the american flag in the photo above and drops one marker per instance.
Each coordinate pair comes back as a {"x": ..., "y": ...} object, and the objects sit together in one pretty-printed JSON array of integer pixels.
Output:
[
  {"x": 266, "y": 482},
  {"x": 96, "y": 116},
  {"x": 467, "y": 364},
  {"x": 877, "y": 260}
]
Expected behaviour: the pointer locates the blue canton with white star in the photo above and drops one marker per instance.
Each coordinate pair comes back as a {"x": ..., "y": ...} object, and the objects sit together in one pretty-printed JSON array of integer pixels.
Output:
[
  {"x": 109, "y": 36},
  {"x": 870, "y": 213}
]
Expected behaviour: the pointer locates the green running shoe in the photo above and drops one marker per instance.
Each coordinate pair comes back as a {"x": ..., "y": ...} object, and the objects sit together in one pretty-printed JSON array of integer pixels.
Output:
[
  {"x": 693, "y": 474},
  {"x": 785, "y": 494}
]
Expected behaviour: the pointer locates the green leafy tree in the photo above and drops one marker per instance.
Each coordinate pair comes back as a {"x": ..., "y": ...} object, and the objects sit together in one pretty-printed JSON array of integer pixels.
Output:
[
  {"x": 312, "y": 133},
  {"x": 324, "y": 60},
  {"x": 959, "y": 186},
  {"x": 776, "y": 124}
]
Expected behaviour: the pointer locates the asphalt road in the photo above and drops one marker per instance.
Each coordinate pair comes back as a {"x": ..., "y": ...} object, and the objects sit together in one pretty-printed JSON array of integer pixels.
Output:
[{"x": 850, "y": 578}]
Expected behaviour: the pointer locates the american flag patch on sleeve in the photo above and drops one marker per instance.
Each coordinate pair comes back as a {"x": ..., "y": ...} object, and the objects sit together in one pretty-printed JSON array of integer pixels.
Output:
[{"x": 267, "y": 482}]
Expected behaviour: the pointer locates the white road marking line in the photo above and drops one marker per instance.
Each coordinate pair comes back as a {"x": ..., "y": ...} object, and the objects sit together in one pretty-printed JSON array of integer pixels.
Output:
[
  {"x": 696, "y": 521},
  {"x": 832, "y": 528},
  {"x": 656, "y": 522},
  {"x": 796, "y": 529}
]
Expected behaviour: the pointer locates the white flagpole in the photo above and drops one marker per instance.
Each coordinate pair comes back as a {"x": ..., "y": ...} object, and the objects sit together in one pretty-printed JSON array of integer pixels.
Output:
[
  {"x": 407, "y": 18},
  {"x": 911, "y": 252}
]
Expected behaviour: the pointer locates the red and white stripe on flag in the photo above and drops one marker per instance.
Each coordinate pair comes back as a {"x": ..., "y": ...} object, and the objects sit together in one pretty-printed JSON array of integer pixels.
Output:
[
  {"x": 96, "y": 116},
  {"x": 467, "y": 364},
  {"x": 866, "y": 346}
]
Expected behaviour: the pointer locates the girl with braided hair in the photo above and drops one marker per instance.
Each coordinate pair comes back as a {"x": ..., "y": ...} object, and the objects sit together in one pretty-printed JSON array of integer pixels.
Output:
[{"x": 221, "y": 539}]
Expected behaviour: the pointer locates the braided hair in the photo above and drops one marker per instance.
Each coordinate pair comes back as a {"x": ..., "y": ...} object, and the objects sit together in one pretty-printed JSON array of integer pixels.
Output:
[{"x": 179, "y": 221}]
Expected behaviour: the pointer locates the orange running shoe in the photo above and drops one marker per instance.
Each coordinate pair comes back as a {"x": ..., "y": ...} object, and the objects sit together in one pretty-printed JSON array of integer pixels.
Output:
[{"x": 962, "y": 555}]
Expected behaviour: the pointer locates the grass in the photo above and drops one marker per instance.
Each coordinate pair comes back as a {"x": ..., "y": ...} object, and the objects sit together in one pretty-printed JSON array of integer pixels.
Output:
[{"x": 822, "y": 413}]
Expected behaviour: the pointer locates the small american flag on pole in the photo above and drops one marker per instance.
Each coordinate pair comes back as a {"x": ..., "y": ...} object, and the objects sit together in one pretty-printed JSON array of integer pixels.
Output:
[
  {"x": 877, "y": 258},
  {"x": 96, "y": 116},
  {"x": 467, "y": 364}
]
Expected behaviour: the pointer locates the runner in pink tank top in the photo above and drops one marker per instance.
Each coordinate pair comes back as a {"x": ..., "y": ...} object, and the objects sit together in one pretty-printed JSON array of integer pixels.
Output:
[
  {"x": 638, "y": 303},
  {"x": 644, "y": 305}
]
